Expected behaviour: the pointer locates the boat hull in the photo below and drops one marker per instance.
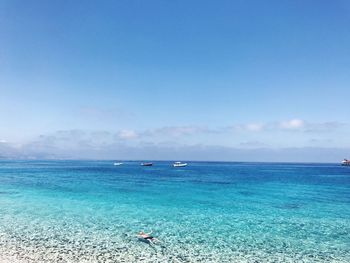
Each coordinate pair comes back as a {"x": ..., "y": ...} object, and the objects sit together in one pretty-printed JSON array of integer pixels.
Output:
[
  {"x": 146, "y": 164},
  {"x": 180, "y": 165}
]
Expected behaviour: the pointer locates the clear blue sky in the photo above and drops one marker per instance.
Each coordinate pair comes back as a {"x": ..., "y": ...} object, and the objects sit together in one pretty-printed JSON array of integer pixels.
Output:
[{"x": 146, "y": 76}]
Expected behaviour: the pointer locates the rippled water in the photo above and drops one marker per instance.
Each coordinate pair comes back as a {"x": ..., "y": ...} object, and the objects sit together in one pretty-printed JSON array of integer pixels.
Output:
[{"x": 90, "y": 211}]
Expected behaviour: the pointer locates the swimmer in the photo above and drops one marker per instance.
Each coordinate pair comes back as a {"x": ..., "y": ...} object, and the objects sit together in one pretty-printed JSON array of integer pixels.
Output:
[{"x": 147, "y": 237}]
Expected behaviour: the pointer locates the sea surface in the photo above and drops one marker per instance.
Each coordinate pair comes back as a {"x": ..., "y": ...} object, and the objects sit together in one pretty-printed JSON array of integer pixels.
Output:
[{"x": 91, "y": 211}]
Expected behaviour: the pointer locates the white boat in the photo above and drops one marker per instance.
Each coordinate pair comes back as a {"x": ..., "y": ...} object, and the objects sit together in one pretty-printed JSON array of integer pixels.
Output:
[
  {"x": 179, "y": 164},
  {"x": 117, "y": 164},
  {"x": 345, "y": 162},
  {"x": 146, "y": 164}
]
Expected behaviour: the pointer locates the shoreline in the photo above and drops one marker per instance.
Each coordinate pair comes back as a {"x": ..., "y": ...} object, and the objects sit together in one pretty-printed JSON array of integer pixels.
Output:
[{"x": 64, "y": 254}]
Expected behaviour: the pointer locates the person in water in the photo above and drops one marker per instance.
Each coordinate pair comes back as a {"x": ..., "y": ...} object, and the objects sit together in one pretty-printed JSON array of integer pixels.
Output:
[{"x": 147, "y": 237}]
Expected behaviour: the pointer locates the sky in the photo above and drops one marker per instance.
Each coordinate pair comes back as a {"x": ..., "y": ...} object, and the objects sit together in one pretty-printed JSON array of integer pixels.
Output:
[{"x": 189, "y": 80}]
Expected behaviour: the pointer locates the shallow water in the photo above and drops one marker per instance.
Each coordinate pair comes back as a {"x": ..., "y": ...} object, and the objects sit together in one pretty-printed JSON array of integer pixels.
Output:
[{"x": 89, "y": 211}]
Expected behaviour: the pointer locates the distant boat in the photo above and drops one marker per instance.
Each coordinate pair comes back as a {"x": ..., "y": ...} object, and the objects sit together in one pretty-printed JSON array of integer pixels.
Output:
[
  {"x": 179, "y": 164},
  {"x": 345, "y": 162},
  {"x": 146, "y": 164},
  {"x": 117, "y": 164}
]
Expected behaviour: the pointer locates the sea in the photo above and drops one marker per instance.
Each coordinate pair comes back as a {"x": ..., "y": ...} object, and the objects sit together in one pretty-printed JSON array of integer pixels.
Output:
[{"x": 91, "y": 211}]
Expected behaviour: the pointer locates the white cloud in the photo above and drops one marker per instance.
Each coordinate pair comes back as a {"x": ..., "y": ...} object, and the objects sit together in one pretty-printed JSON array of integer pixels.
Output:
[
  {"x": 251, "y": 135},
  {"x": 252, "y": 144},
  {"x": 183, "y": 152},
  {"x": 293, "y": 124},
  {"x": 286, "y": 125},
  {"x": 255, "y": 127},
  {"x": 323, "y": 127},
  {"x": 176, "y": 131},
  {"x": 127, "y": 134},
  {"x": 251, "y": 127}
]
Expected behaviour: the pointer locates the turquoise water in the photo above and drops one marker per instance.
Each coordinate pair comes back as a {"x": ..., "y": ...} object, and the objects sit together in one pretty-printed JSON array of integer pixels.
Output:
[{"x": 90, "y": 211}]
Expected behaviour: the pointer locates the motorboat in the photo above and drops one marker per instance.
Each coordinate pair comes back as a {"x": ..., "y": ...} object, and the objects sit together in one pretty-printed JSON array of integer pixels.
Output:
[
  {"x": 345, "y": 162},
  {"x": 117, "y": 164},
  {"x": 179, "y": 164},
  {"x": 146, "y": 164}
]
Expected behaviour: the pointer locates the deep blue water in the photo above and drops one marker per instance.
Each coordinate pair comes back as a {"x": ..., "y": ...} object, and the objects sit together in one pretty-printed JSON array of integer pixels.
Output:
[{"x": 90, "y": 211}]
